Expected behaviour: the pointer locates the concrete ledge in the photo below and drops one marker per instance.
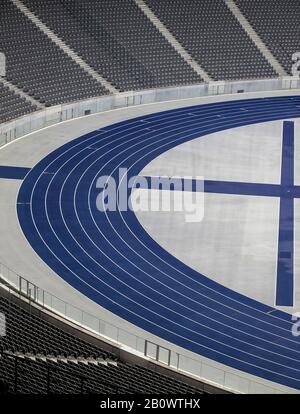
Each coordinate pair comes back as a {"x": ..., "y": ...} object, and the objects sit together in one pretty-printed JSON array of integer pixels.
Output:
[{"x": 56, "y": 114}]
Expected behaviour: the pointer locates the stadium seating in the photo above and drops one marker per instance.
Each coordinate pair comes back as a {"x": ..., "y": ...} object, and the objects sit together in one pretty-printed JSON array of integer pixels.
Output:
[
  {"x": 118, "y": 41},
  {"x": 24, "y": 331},
  {"x": 277, "y": 23},
  {"x": 37, "y": 66},
  {"x": 40, "y": 349},
  {"x": 214, "y": 38},
  {"x": 12, "y": 105},
  {"x": 33, "y": 375}
]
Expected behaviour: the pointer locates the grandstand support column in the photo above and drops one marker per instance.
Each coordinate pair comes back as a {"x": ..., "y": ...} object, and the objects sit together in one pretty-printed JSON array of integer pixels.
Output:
[
  {"x": 63, "y": 46},
  {"x": 22, "y": 94},
  {"x": 255, "y": 37},
  {"x": 173, "y": 41}
]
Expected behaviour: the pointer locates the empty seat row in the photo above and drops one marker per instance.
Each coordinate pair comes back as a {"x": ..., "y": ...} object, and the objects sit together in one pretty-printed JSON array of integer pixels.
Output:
[
  {"x": 12, "y": 105},
  {"x": 277, "y": 23},
  {"x": 213, "y": 37},
  {"x": 34, "y": 347}
]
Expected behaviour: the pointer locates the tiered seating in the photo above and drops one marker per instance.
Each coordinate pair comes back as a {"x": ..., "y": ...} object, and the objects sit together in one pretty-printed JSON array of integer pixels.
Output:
[
  {"x": 37, "y": 66},
  {"x": 32, "y": 378},
  {"x": 74, "y": 379},
  {"x": 277, "y": 23},
  {"x": 26, "y": 333},
  {"x": 117, "y": 40},
  {"x": 120, "y": 43},
  {"x": 12, "y": 105},
  {"x": 74, "y": 365},
  {"x": 212, "y": 35}
]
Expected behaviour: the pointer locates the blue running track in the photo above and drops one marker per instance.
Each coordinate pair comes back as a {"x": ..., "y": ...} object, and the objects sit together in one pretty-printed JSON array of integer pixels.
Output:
[{"x": 111, "y": 259}]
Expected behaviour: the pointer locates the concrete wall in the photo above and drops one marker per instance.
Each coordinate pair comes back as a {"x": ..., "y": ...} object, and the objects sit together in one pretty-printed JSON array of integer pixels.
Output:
[{"x": 41, "y": 119}]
